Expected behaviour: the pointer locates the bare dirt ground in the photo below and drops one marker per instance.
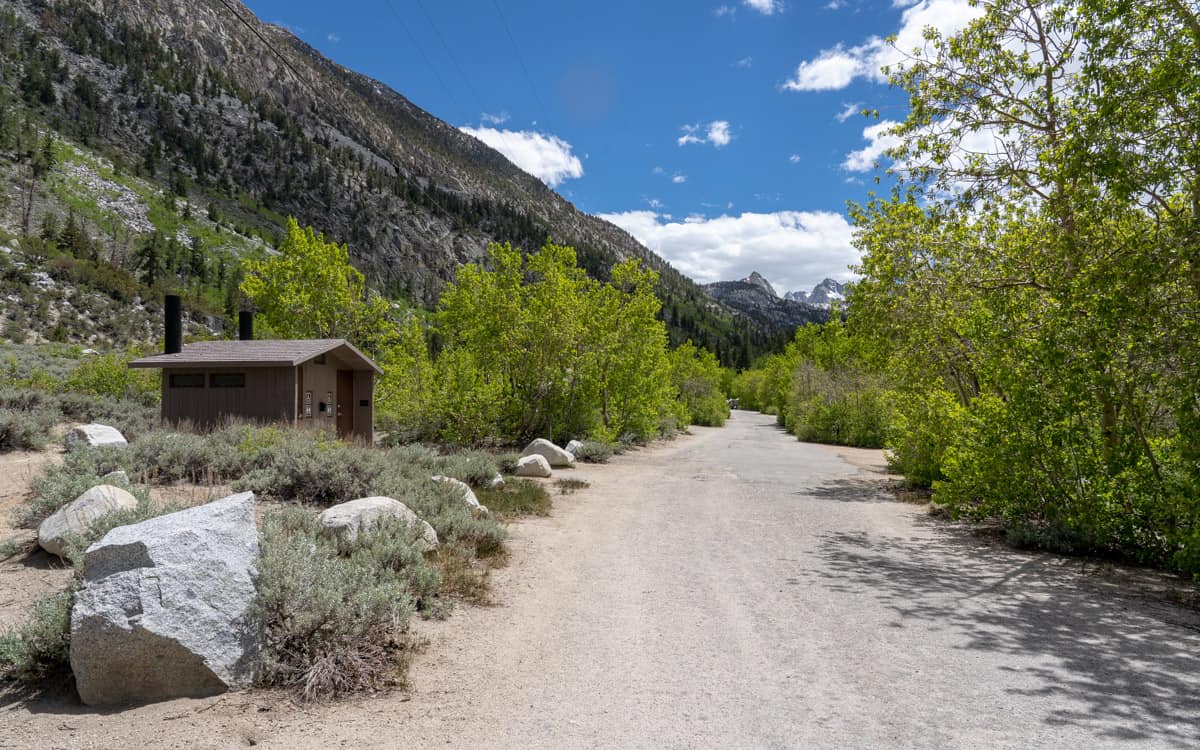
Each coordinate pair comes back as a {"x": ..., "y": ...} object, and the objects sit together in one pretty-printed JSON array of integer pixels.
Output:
[{"x": 736, "y": 588}]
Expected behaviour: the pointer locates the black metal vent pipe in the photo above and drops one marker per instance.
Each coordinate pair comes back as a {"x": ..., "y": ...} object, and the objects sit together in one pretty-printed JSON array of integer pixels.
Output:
[
  {"x": 172, "y": 324},
  {"x": 245, "y": 326}
]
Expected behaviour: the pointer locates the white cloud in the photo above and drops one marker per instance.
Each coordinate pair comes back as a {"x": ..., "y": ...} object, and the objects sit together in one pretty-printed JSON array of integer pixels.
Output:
[
  {"x": 794, "y": 249},
  {"x": 333, "y": 37},
  {"x": 794, "y": 158},
  {"x": 833, "y": 69},
  {"x": 848, "y": 111},
  {"x": 546, "y": 157},
  {"x": 494, "y": 119},
  {"x": 745, "y": 62},
  {"x": 766, "y": 7},
  {"x": 724, "y": 10},
  {"x": 716, "y": 132},
  {"x": 879, "y": 140},
  {"x": 659, "y": 170},
  {"x": 835, "y": 5},
  {"x": 838, "y": 66},
  {"x": 679, "y": 179}
]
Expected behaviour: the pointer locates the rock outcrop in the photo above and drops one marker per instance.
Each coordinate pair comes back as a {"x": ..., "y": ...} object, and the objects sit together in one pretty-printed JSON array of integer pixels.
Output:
[
  {"x": 76, "y": 516},
  {"x": 347, "y": 520},
  {"x": 533, "y": 466},
  {"x": 164, "y": 608},
  {"x": 464, "y": 489},
  {"x": 555, "y": 456},
  {"x": 94, "y": 435}
]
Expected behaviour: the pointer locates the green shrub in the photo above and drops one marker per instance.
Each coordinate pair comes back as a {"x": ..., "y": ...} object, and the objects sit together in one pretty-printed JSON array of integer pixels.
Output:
[
  {"x": 24, "y": 431},
  {"x": 923, "y": 426},
  {"x": 41, "y": 648},
  {"x": 317, "y": 470},
  {"x": 58, "y": 485},
  {"x": 595, "y": 452},
  {"x": 332, "y": 625},
  {"x": 173, "y": 456},
  {"x": 110, "y": 376},
  {"x": 518, "y": 497}
]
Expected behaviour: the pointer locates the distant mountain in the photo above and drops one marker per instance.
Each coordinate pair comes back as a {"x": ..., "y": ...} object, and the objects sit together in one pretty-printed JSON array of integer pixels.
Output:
[
  {"x": 195, "y": 120},
  {"x": 756, "y": 299},
  {"x": 822, "y": 295}
]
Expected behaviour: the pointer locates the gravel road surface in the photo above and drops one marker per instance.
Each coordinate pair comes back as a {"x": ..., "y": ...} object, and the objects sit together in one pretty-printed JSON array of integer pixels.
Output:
[{"x": 736, "y": 588}]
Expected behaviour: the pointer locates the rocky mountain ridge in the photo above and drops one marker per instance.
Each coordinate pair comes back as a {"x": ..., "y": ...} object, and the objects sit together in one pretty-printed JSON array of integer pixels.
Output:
[
  {"x": 225, "y": 114},
  {"x": 755, "y": 298}
]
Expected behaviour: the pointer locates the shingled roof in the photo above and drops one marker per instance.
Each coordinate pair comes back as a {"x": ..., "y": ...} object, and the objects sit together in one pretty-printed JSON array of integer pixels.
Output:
[{"x": 257, "y": 353}]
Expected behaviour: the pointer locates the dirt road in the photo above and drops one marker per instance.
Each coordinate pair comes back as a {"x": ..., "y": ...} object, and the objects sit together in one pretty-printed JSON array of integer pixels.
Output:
[{"x": 737, "y": 588}]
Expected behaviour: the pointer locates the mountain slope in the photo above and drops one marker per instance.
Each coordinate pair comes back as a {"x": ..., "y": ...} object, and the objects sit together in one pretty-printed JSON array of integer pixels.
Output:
[
  {"x": 247, "y": 121},
  {"x": 755, "y": 298}
]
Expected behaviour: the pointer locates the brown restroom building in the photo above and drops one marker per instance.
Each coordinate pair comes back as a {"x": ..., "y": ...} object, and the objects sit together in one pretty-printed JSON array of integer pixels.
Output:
[{"x": 310, "y": 383}]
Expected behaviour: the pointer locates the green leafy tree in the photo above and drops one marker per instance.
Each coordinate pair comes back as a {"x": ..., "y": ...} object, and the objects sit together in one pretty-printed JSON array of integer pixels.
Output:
[{"x": 310, "y": 290}]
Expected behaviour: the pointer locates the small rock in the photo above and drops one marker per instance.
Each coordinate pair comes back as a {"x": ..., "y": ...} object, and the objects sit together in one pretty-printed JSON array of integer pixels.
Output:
[
  {"x": 464, "y": 489},
  {"x": 573, "y": 447},
  {"x": 118, "y": 477},
  {"x": 76, "y": 516},
  {"x": 555, "y": 456},
  {"x": 533, "y": 466},
  {"x": 164, "y": 608},
  {"x": 347, "y": 520},
  {"x": 495, "y": 482},
  {"x": 95, "y": 434}
]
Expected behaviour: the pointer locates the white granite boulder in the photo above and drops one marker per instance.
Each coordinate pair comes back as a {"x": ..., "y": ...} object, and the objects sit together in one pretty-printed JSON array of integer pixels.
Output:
[
  {"x": 94, "y": 435},
  {"x": 496, "y": 482},
  {"x": 164, "y": 608},
  {"x": 347, "y": 520},
  {"x": 76, "y": 516},
  {"x": 464, "y": 489},
  {"x": 573, "y": 447},
  {"x": 555, "y": 456},
  {"x": 533, "y": 466}
]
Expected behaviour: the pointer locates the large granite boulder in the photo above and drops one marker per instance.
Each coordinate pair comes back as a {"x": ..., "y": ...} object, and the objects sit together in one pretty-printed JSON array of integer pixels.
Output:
[
  {"x": 464, "y": 489},
  {"x": 573, "y": 447},
  {"x": 347, "y": 520},
  {"x": 76, "y": 516},
  {"x": 555, "y": 456},
  {"x": 532, "y": 466},
  {"x": 94, "y": 435},
  {"x": 164, "y": 608}
]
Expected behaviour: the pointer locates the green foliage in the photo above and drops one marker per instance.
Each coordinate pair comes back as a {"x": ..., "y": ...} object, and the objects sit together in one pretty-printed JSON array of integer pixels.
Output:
[
  {"x": 595, "y": 452},
  {"x": 1040, "y": 307},
  {"x": 825, "y": 387},
  {"x": 58, "y": 485},
  {"x": 110, "y": 376},
  {"x": 310, "y": 290},
  {"x": 518, "y": 497},
  {"x": 697, "y": 376},
  {"x": 333, "y": 624},
  {"x": 41, "y": 647},
  {"x": 532, "y": 346},
  {"x": 22, "y": 430}
]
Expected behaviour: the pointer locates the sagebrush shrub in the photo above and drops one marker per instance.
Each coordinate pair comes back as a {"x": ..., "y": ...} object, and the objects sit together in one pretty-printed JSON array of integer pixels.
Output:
[
  {"x": 24, "y": 431},
  {"x": 332, "y": 625},
  {"x": 593, "y": 451},
  {"x": 81, "y": 470}
]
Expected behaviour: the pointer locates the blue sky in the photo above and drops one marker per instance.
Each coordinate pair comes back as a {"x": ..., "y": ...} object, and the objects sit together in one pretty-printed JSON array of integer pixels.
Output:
[{"x": 724, "y": 135}]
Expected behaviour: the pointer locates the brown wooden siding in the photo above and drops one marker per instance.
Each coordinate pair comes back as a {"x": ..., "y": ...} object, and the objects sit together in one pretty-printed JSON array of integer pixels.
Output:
[
  {"x": 364, "y": 416},
  {"x": 268, "y": 396}
]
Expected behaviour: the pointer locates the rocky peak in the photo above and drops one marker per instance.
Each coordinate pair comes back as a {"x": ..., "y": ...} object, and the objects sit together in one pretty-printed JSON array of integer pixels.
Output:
[{"x": 757, "y": 280}]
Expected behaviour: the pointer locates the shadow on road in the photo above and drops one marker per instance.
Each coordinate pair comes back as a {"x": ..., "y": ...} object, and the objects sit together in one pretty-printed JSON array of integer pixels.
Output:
[
  {"x": 869, "y": 490},
  {"x": 1121, "y": 666}
]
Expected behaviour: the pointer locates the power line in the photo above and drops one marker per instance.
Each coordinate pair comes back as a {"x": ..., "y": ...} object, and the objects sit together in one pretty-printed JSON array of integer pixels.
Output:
[
  {"x": 287, "y": 63},
  {"x": 450, "y": 53},
  {"x": 413, "y": 41},
  {"x": 520, "y": 59}
]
